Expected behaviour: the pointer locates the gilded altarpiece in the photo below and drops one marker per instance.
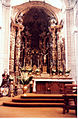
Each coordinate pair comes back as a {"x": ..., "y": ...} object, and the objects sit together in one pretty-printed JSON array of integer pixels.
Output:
[{"x": 34, "y": 43}]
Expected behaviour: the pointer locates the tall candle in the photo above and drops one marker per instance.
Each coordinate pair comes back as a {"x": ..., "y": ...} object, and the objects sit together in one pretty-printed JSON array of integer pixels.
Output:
[
  {"x": 31, "y": 62},
  {"x": 38, "y": 62}
]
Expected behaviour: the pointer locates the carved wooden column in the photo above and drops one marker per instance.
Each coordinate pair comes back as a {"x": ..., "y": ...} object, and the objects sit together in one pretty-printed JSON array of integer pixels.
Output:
[
  {"x": 63, "y": 55},
  {"x": 54, "y": 52},
  {"x": 61, "y": 63},
  {"x": 21, "y": 52},
  {"x": 12, "y": 46},
  {"x": 54, "y": 45},
  {"x": 50, "y": 41},
  {"x": 25, "y": 57},
  {"x": 18, "y": 44},
  {"x": 59, "y": 54}
]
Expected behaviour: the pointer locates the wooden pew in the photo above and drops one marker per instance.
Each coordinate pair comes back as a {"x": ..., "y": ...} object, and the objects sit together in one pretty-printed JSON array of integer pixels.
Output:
[{"x": 70, "y": 98}]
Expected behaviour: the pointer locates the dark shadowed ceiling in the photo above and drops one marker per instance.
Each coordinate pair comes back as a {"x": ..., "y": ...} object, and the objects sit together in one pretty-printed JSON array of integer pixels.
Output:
[{"x": 36, "y": 21}]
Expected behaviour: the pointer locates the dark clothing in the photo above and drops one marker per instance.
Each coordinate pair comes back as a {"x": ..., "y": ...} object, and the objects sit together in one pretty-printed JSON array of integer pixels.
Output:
[
  {"x": 5, "y": 76},
  {"x": 5, "y": 80}
]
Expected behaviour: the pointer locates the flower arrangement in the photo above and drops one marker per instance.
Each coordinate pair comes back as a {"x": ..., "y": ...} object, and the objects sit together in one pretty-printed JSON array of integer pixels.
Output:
[
  {"x": 53, "y": 71},
  {"x": 25, "y": 81},
  {"x": 68, "y": 71},
  {"x": 29, "y": 70},
  {"x": 26, "y": 69},
  {"x": 18, "y": 77},
  {"x": 60, "y": 71},
  {"x": 11, "y": 78},
  {"x": 37, "y": 70},
  {"x": 23, "y": 69}
]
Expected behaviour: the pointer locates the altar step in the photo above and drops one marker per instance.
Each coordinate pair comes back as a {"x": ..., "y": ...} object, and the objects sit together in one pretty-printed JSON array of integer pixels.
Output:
[
  {"x": 13, "y": 104},
  {"x": 44, "y": 96},
  {"x": 36, "y": 101}
]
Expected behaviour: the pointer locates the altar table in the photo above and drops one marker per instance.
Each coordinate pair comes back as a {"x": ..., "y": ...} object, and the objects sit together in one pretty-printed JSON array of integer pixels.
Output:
[{"x": 50, "y": 85}]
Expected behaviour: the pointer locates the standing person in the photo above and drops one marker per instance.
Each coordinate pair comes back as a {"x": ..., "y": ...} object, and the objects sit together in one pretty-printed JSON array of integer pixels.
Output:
[
  {"x": 5, "y": 84},
  {"x": 5, "y": 78}
]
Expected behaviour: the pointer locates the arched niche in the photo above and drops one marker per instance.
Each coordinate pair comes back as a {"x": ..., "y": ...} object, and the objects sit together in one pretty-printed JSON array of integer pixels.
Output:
[
  {"x": 23, "y": 8},
  {"x": 32, "y": 43}
]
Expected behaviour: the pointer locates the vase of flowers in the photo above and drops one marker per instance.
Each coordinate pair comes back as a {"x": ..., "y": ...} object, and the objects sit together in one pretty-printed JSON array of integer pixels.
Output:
[
  {"x": 60, "y": 72},
  {"x": 11, "y": 78},
  {"x": 24, "y": 89},
  {"x": 54, "y": 72},
  {"x": 23, "y": 69},
  {"x": 37, "y": 71},
  {"x": 67, "y": 72},
  {"x": 25, "y": 82}
]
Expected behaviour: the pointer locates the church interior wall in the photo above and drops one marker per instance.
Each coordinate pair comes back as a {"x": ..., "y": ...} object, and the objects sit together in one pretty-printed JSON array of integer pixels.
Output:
[
  {"x": 0, "y": 37},
  {"x": 4, "y": 41},
  {"x": 75, "y": 33},
  {"x": 71, "y": 39}
]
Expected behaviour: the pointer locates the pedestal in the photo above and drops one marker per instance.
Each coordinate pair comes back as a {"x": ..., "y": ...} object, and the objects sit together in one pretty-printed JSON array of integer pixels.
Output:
[{"x": 44, "y": 69}]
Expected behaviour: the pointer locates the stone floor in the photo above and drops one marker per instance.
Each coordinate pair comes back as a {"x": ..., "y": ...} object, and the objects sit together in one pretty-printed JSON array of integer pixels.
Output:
[{"x": 32, "y": 112}]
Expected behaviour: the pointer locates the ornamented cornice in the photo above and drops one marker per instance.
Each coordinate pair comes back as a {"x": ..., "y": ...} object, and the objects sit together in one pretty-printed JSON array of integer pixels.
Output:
[
  {"x": 6, "y": 3},
  {"x": 71, "y": 5},
  {"x": 19, "y": 26},
  {"x": 26, "y": 6}
]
